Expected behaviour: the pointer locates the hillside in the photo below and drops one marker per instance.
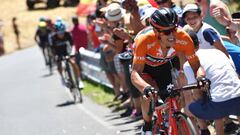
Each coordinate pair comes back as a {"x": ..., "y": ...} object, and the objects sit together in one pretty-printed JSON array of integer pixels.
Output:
[{"x": 27, "y": 21}]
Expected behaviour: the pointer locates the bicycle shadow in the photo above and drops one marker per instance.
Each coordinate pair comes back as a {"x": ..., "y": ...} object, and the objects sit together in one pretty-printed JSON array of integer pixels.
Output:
[
  {"x": 128, "y": 122},
  {"x": 136, "y": 129},
  {"x": 47, "y": 75},
  {"x": 65, "y": 104}
]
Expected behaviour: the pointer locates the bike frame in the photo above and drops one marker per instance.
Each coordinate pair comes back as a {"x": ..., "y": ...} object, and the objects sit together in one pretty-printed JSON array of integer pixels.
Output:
[{"x": 171, "y": 106}]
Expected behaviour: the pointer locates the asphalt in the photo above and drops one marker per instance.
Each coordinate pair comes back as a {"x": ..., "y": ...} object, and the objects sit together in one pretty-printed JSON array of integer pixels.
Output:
[{"x": 32, "y": 102}]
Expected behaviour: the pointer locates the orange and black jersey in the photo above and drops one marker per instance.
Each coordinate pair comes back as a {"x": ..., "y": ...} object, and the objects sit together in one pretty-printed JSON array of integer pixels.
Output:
[{"x": 147, "y": 48}]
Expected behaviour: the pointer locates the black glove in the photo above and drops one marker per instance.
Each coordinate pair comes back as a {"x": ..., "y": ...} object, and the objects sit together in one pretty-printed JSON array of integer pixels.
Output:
[
  {"x": 203, "y": 81},
  {"x": 147, "y": 90}
]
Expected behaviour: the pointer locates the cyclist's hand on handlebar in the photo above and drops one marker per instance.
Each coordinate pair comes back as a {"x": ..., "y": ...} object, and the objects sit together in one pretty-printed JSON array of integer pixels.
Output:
[
  {"x": 149, "y": 92},
  {"x": 203, "y": 82}
]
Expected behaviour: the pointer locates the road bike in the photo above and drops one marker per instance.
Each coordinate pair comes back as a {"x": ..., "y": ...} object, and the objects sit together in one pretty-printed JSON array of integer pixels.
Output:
[
  {"x": 50, "y": 58},
  {"x": 71, "y": 79},
  {"x": 168, "y": 118}
]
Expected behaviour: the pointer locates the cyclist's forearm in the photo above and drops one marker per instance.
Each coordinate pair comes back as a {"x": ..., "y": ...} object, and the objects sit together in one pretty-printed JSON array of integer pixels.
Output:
[{"x": 138, "y": 82}]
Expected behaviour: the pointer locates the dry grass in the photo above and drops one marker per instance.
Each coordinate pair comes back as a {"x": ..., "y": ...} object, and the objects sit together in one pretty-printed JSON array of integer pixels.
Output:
[{"x": 27, "y": 21}]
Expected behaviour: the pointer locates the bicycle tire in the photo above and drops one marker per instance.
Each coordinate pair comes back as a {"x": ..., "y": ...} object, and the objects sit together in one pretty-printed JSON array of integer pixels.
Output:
[
  {"x": 50, "y": 59},
  {"x": 77, "y": 96},
  {"x": 184, "y": 124}
]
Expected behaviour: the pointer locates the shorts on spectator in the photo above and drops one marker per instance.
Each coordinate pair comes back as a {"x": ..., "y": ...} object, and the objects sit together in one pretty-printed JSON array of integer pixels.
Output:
[
  {"x": 118, "y": 65},
  {"x": 209, "y": 110}
]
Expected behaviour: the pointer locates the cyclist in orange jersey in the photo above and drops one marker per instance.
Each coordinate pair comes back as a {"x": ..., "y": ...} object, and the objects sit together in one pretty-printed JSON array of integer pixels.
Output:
[{"x": 158, "y": 49}]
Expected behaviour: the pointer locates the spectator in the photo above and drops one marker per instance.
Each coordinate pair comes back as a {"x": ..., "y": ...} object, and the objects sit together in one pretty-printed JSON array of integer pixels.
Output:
[
  {"x": 2, "y": 51},
  {"x": 114, "y": 16},
  {"x": 208, "y": 7},
  {"x": 225, "y": 21},
  {"x": 16, "y": 31},
  {"x": 79, "y": 34},
  {"x": 92, "y": 35},
  {"x": 208, "y": 36},
  {"x": 224, "y": 93}
]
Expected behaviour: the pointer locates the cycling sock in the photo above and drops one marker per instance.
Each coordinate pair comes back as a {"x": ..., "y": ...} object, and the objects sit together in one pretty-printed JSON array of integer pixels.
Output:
[
  {"x": 147, "y": 126},
  {"x": 205, "y": 132}
]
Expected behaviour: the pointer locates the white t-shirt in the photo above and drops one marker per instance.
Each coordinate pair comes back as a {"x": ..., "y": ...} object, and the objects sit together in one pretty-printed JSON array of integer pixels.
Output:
[
  {"x": 207, "y": 36},
  {"x": 225, "y": 84}
]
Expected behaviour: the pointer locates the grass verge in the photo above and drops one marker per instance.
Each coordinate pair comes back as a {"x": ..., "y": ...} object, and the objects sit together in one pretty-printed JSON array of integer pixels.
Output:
[{"x": 97, "y": 92}]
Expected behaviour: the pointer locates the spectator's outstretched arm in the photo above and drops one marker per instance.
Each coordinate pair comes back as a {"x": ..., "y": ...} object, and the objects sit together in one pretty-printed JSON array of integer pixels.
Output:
[{"x": 219, "y": 14}]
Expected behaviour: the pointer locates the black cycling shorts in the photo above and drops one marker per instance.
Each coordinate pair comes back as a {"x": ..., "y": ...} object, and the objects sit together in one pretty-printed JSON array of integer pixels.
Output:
[{"x": 162, "y": 75}]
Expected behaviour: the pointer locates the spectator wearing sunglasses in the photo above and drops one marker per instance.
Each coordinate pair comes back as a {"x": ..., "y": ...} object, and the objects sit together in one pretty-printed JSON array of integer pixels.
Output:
[
  {"x": 208, "y": 7},
  {"x": 155, "y": 52}
]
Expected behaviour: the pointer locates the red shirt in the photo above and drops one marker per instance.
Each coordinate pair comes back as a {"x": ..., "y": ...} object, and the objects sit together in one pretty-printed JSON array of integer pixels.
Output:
[
  {"x": 79, "y": 35},
  {"x": 94, "y": 37}
]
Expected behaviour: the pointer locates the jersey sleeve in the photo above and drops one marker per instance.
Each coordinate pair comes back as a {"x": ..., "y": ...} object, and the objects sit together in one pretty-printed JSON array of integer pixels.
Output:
[
  {"x": 184, "y": 44},
  {"x": 210, "y": 36},
  {"x": 140, "y": 50}
]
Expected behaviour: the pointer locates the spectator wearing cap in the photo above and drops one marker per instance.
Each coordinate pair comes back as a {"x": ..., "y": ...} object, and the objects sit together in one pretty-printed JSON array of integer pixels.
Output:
[
  {"x": 114, "y": 15},
  {"x": 208, "y": 7},
  {"x": 145, "y": 12},
  {"x": 208, "y": 36}
]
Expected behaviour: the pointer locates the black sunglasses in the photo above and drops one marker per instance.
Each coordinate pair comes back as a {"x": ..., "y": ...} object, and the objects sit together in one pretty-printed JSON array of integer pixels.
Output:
[{"x": 167, "y": 32}]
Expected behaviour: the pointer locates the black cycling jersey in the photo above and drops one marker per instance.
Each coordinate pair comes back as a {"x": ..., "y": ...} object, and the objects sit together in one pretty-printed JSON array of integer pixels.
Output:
[
  {"x": 60, "y": 45},
  {"x": 43, "y": 36}
]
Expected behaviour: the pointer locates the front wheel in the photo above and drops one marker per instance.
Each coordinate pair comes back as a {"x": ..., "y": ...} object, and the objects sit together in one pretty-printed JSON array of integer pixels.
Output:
[
  {"x": 184, "y": 125},
  {"x": 74, "y": 83},
  {"x": 77, "y": 95}
]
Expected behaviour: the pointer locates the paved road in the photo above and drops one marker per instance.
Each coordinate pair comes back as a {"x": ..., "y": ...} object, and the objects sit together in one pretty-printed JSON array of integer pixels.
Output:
[{"x": 34, "y": 103}]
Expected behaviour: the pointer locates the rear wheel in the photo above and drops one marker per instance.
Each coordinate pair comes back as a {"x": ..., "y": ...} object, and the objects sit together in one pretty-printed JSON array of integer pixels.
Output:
[{"x": 185, "y": 125}]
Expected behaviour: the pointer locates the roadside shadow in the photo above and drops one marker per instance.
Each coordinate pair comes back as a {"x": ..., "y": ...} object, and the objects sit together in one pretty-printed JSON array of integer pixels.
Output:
[
  {"x": 47, "y": 75},
  {"x": 136, "y": 129},
  {"x": 115, "y": 118},
  {"x": 112, "y": 104},
  {"x": 127, "y": 122},
  {"x": 67, "y": 103}
]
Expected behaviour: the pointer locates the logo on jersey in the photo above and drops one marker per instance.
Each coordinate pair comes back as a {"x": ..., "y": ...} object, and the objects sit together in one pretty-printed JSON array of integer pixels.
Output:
[{"x": 182, "y": 42}]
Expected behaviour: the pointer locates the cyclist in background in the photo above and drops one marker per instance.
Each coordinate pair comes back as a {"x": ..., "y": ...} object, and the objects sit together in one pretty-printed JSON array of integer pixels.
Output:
[
  {"x": 61, "y": 42},
  {"x": 155, "y": 55},
  {"x": 41, "y": 37}
]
